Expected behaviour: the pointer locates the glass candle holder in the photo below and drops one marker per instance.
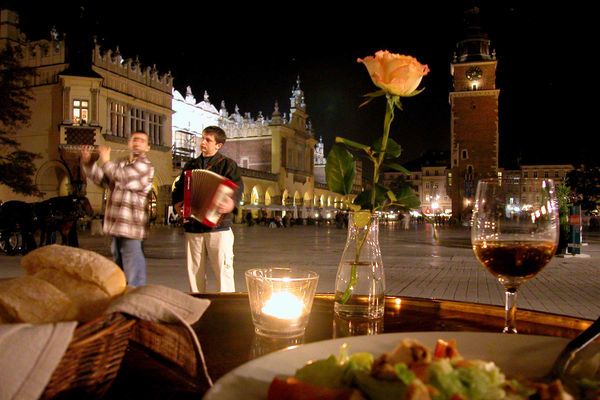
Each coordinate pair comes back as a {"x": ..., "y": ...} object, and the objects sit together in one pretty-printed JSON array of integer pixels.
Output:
[{"x": 281, "y": 299}]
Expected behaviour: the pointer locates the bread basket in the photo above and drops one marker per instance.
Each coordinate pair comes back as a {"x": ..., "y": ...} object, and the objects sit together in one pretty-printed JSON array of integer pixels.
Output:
[
  {"x": 92, "y": 359},
  {"x": 170, "y": 341}
]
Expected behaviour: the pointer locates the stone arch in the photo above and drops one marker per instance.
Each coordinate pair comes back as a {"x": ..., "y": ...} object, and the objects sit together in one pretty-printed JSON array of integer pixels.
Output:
[
  {"x": 338, "y": 202},
  {"x": 307, "y": 199},
  {"x": 269, "y": 196},
  {"x": 284, "y": 197},
  {"x": 297, "y": 201},
  {"x": 52, "y": 178},
  {"x": 256, "y": 195}
]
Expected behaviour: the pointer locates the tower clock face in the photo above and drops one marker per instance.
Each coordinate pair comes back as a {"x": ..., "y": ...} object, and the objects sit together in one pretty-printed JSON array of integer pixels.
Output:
[{"x": 474, "y": 73}]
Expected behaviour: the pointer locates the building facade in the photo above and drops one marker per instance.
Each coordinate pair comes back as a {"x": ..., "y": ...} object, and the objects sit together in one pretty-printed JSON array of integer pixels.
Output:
[
  {"x": 428, "y": 178},
  {"x": 282, "y": 163},
  {"x": 87, "y": 97}
]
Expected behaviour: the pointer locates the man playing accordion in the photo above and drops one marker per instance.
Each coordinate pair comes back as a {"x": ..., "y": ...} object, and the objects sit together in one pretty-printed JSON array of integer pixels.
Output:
[{"x": 205, "y": 245}]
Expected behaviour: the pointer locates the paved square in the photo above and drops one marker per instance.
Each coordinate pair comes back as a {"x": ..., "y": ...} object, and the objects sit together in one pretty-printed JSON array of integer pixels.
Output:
[{"x": 415, "y": 264}]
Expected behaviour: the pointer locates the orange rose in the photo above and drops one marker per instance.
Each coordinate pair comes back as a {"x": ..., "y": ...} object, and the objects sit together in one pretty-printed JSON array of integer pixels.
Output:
[{"x": 394, "y": 73}]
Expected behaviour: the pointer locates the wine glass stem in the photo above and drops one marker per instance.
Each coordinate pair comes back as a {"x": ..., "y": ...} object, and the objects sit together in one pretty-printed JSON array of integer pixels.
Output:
[{"x": 510, "y": 309}]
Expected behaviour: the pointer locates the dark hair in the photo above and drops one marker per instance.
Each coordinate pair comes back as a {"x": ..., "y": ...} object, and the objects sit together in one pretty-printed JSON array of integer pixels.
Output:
[
  {"x": 218, "y": 133},
  {"x": 139, "y": 131}
]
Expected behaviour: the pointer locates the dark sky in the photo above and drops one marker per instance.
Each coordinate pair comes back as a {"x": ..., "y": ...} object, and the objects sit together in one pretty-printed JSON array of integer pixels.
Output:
[{"x": 251, "y": 54}]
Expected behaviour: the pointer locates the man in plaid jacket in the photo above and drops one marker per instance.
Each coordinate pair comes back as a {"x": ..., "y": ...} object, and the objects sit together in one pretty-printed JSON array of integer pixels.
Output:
[{"x": 128, "y": 182}]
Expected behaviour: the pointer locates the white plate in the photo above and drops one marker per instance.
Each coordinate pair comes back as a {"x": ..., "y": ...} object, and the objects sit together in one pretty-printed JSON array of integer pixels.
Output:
[{"x": 516, "y": 355}]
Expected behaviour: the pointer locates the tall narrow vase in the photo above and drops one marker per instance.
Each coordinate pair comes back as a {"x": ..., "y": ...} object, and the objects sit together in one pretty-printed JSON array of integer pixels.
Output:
[{"x": 360, "y": 279}]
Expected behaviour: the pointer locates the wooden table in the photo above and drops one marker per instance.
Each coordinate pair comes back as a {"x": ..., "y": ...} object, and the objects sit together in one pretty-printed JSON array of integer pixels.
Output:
[{"x": 228, "y": 340}]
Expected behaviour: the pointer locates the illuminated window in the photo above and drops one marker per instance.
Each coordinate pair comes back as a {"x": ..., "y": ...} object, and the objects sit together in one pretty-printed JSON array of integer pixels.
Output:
[
  {"x": 117, "y": 119},
  {"x": 80, "y": 111}
]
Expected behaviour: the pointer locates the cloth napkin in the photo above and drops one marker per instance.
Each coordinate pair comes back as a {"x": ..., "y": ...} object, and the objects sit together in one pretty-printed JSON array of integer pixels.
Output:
[{"x": 30, "y": 353}]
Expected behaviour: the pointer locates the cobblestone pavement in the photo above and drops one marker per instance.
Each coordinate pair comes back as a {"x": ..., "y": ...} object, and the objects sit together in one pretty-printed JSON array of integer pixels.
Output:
[{"x": 415, "y": 264}]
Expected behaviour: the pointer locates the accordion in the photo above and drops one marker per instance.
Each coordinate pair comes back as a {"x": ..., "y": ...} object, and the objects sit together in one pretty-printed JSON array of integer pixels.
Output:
[{"x": 203, "y": 190}]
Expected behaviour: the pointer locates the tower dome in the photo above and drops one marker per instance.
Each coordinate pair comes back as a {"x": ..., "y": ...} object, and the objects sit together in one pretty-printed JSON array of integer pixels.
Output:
[{"x": 475, "y": 45}]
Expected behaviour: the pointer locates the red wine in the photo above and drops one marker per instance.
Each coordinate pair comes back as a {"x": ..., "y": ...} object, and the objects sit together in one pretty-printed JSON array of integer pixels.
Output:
[{"x": 520, "y": 259}]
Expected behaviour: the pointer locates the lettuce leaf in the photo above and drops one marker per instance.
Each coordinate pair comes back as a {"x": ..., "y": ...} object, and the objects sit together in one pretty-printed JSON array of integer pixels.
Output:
[
  {"x": 377, "y": 389},
  {"x": 335, "y": 372}
]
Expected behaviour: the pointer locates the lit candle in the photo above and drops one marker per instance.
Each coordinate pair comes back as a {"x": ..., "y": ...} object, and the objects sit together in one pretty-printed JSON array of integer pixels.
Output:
[{"x": 283, "y": 305}]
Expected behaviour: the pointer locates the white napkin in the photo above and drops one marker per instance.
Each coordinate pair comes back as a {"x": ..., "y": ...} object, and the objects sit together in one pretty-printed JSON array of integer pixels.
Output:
[
  {"x": 158, "y": 303},
  {"x": 29, "y": 354}
]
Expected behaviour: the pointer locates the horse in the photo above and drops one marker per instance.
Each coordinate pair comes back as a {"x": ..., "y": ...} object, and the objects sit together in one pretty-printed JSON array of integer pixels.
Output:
[
  {"x": 60, "y": 214},
  {"x": 19, "y": 219}
]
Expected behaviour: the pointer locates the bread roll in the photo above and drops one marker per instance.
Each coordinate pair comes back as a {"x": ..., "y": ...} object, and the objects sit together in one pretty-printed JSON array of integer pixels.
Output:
[
  {"x": 89, "y": 300},
  {"x": 33, "y": 300},
  {"x": 85, "y": 265}
]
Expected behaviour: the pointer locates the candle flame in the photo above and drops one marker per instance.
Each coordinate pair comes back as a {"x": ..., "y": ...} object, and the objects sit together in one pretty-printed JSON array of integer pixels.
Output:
[{"x": 283, "y": 305}]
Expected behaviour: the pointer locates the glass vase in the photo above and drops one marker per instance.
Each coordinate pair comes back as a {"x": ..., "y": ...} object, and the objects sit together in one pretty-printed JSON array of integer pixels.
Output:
[{"x": 360, "y": 279}]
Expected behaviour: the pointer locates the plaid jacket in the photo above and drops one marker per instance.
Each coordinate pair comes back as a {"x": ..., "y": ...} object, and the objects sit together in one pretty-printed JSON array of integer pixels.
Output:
[{"x": 128, "y": 185}]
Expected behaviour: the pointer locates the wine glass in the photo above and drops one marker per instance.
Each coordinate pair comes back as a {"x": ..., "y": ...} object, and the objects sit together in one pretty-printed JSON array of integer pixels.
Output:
[{"x": 514, "y": 232}]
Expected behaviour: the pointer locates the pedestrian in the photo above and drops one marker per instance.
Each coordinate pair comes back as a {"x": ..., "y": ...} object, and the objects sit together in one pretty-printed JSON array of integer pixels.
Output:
[
  {"x": 206, "y": 245},
  {"x": 128, "y": 182},
  {"x": 249, "y": 218}
]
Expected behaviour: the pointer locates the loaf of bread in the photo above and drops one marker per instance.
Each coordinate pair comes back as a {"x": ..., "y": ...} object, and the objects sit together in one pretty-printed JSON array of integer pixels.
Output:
[
  {"x": 33, "y": 300},
  {"x": 83, "y": 265},
  {"x": 88, "y": 299},
  {"x": 89, "y": 279}
]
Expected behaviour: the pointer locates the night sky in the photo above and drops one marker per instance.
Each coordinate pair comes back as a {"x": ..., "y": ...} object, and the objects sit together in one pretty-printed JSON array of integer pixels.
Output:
[{"x": 250, "y": 56}]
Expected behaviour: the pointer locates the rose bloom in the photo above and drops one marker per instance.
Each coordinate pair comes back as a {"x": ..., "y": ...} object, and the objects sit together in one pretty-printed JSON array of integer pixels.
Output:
[{"x": 396, "y": 74}]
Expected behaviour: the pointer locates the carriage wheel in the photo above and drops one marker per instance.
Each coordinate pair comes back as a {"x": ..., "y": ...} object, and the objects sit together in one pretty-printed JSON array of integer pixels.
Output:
[{"x": 11, "y": 243}]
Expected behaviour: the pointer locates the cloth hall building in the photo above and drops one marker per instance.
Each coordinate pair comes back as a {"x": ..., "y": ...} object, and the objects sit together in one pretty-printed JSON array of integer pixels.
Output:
[{"x": 85, "y": 95}]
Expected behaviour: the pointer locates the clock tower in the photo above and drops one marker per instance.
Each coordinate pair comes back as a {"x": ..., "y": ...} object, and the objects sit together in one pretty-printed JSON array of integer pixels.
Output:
[{"x": 474, "y": 115}]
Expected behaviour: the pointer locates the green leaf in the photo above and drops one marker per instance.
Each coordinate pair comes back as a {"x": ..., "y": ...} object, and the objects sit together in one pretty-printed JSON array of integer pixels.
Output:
[
  {"x": 392, "y": 196},
  {"x": 353, "y": 144},
  {"x": 364, "y": 198},
  {"x": 392, "y": 150},
  {"x": 340, "y": 170},
  {"x": 406, "y": 197},
  {"x": 396, "y": 167}
]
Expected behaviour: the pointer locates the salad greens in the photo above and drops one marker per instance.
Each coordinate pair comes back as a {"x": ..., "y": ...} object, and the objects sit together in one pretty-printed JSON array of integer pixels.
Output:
[{"x": 446, "y": 377}]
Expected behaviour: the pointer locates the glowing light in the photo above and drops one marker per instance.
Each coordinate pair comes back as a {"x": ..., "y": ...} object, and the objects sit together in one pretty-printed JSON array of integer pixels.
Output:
[{"x": 283, "y": 305}]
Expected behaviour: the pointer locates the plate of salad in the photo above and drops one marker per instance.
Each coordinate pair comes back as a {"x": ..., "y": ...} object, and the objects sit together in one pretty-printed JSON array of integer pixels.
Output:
[{"x": 411, "y": 365}]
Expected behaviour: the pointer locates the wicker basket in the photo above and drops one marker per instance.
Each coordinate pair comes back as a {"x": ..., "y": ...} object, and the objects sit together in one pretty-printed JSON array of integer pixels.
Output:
[
  {"x": 170, "y": 341},
  {"x": 92, "y": 359}
]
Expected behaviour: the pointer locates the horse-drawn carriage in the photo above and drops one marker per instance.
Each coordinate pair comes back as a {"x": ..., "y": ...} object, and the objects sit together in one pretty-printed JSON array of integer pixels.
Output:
[{"x": 21, "y": 222}]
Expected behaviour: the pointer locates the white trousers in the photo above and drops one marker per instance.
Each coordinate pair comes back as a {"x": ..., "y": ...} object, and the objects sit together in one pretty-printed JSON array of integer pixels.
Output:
[{"x": 214, "y": 249}]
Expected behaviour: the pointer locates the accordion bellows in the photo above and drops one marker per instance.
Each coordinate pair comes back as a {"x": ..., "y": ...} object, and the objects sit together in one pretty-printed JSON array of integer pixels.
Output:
[{"x": 203, "y": 190}]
